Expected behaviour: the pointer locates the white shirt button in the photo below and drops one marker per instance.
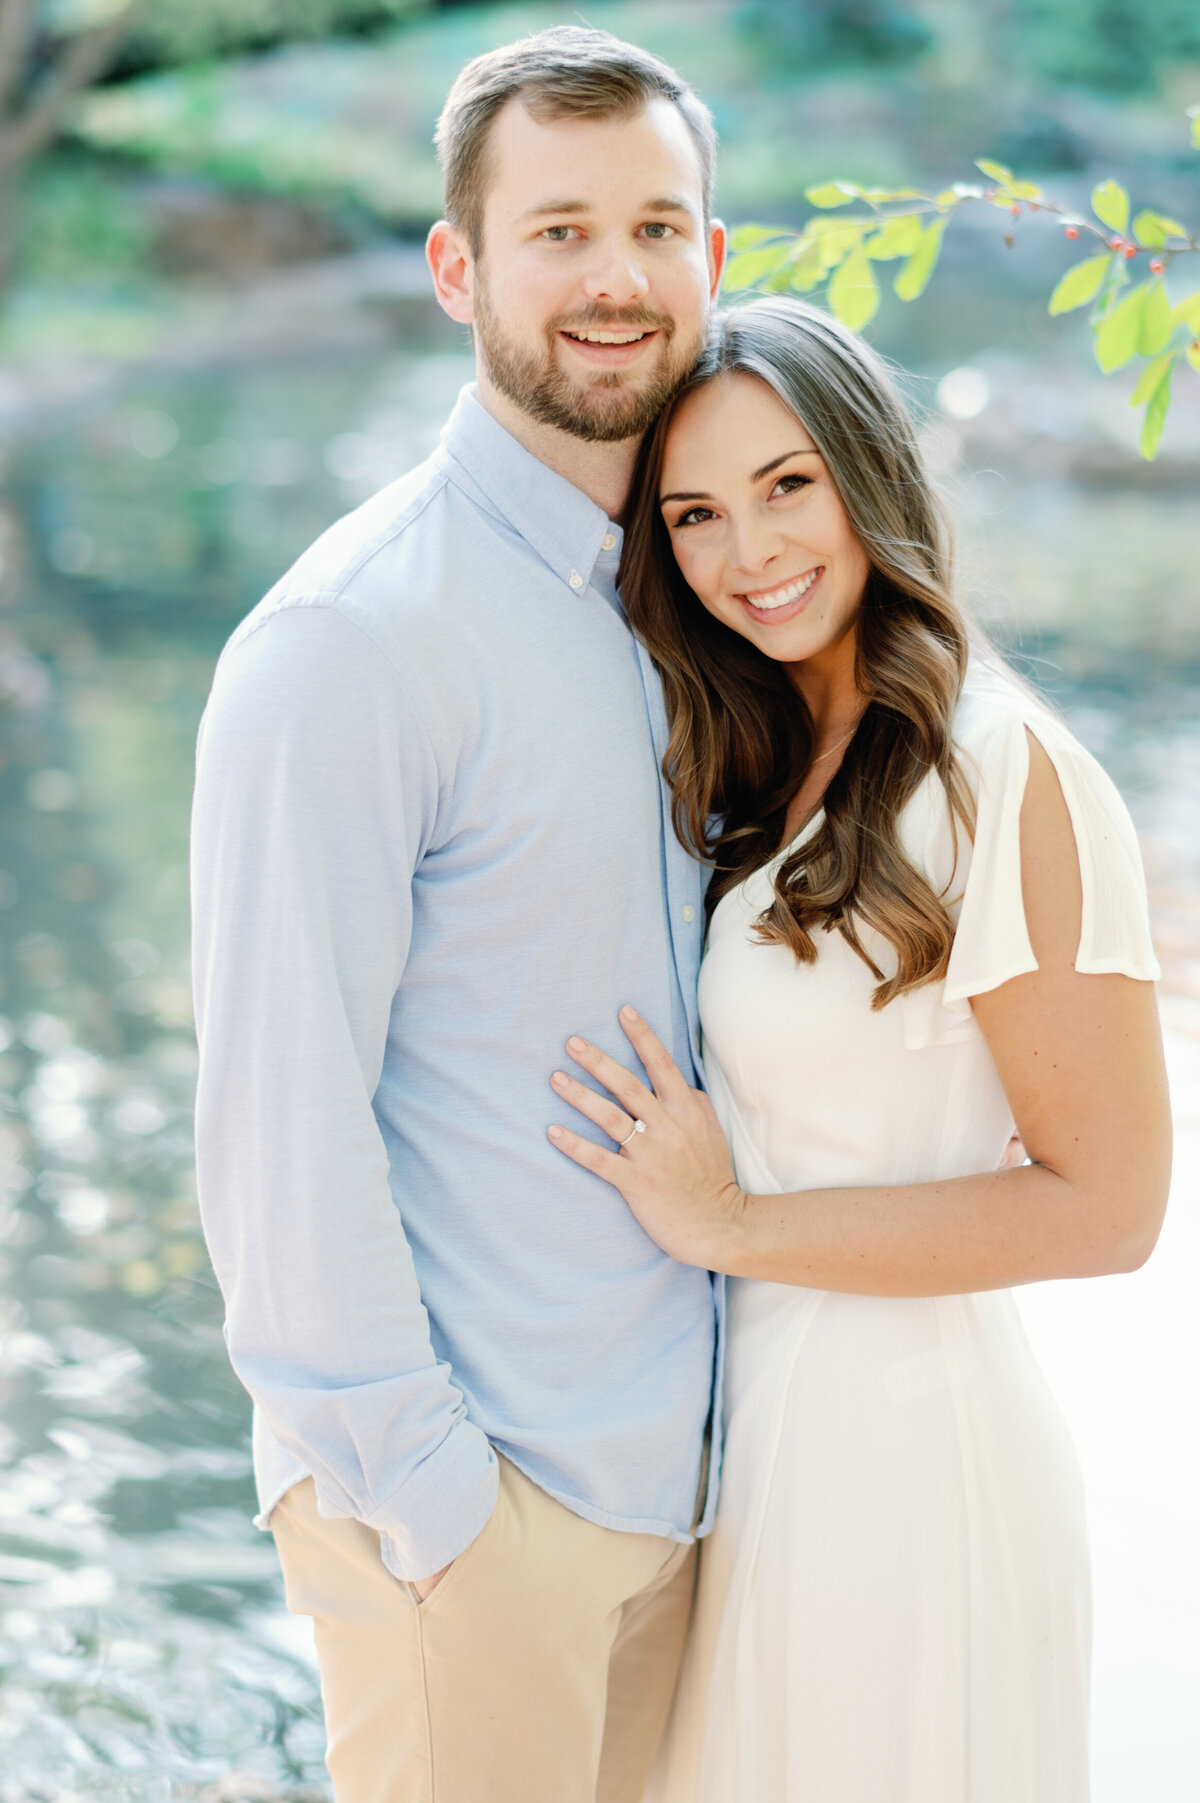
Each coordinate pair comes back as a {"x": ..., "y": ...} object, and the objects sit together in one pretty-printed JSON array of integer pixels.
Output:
[
  {"x": 689, "y": 913},
  {"x": 575, "y": 579},
  {"x": 608, "y": 541}
]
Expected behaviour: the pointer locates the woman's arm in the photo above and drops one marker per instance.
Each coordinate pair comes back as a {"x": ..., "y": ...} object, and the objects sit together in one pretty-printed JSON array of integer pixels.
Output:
[{"x": 1080, "y": 1059}]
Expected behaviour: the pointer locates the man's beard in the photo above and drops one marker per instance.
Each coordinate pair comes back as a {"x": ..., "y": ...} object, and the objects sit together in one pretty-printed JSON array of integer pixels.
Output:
[{"x": 603, "y": 408}]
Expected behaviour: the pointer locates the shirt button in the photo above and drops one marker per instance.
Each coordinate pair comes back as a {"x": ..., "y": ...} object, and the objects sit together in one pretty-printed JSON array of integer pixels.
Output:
[
  {"x": 689, "y": 913},
  {"x": 575, "y": 579},
  {"x": 608, "y": 541}
]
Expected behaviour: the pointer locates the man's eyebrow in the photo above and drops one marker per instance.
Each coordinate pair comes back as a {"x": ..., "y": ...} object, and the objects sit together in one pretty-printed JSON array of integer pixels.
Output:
[
  {"x": 756, "y": 477},
  {"x": 555, "y": 206},
  {"x": 668, "y": 203}
]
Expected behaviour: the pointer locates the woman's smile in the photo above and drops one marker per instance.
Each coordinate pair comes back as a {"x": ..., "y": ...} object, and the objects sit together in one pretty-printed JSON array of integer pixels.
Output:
[{"x": 774, "y": 606}]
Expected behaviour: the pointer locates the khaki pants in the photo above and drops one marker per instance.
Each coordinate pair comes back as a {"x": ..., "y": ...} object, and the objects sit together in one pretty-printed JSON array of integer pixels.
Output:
[{"x": 540, "y": 1670}]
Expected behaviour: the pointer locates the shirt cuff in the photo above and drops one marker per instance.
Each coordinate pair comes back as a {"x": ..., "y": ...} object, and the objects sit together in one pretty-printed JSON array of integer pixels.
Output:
[{"x": 445, "y": 1503}]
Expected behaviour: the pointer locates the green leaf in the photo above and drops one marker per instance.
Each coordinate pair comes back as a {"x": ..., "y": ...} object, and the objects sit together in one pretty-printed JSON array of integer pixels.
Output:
[
  {"x": 1118, "y": 332},
  {"x": 836, "y": 238},
  {"x": 749, "y": 237},
  {"x": 804, "y": 269},
  {"x": 1110, "y": 204},
  {"x": 1150, "y": 378},
  {"x": 833, "y": 194},
  {"x": 913, "y": 279},
  {"x": 898, "y": 236},
  {"x": 1194, "y": 116},
  {"x": 1080, "y": 285},
  {"x": 1152, "y": 230},
  {"x": 1026, "y": 191},
  {"x": 1187, "y": 313},
  {"x": 1156, "y": 413},
  {"x": 750, "y": 266},
  {"x": 1157, "y": 324},
  {"x": 854, "y": 292},
  {"x": 997, "y": 171}
]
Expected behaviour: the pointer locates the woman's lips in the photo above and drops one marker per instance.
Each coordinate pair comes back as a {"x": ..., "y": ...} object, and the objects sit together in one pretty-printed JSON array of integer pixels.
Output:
[{"x": 787, "y": 609}]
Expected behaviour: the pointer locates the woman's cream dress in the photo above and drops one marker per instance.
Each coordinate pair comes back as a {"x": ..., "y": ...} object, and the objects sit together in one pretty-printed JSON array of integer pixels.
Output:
[{"x": 894, "y": 1605}]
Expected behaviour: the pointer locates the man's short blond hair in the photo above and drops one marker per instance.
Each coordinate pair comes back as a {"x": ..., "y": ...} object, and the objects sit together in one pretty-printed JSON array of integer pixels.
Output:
[{"x": 565, "y": 72}]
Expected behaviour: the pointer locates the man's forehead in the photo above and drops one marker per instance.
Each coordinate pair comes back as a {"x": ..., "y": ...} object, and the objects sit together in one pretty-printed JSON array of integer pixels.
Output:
[{"x": 555, "y": 164}]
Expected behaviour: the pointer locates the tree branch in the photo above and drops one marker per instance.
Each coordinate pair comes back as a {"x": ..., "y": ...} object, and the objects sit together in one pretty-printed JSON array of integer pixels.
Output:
[
  {"x": 18, "y": 24},
  {"x": 84, "y": 57}
]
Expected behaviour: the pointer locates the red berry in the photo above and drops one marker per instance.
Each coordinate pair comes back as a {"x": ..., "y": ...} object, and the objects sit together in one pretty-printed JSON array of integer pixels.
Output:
[
  {"x": 1014, "y": 209},
  {"x": 1117, "y": 243},
  {"x": 1072, "y": 231},
  {"x": 1131, "y": 250},
  {"x": 1156, "y": 266}
]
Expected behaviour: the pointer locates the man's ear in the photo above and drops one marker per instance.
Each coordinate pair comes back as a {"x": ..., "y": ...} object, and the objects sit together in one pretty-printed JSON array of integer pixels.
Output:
[
  {"x": 718, "y": 244},
  {"x": 453, "y": 267}
]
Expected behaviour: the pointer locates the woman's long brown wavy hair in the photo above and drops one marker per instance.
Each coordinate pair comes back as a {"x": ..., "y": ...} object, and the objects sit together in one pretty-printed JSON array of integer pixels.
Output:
[{"x": 741, "y": 739}]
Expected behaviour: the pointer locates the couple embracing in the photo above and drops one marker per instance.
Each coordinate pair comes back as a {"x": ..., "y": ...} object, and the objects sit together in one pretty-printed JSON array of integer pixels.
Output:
[{"x": 640, "y": 726}]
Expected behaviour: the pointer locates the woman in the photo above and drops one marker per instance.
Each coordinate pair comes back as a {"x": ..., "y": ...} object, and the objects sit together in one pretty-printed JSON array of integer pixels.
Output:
[{"x": 927, "y": 921}]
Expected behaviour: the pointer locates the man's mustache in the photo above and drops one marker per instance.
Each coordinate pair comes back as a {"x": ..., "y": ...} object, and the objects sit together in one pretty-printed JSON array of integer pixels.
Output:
[{"x": 597, "y": 319}]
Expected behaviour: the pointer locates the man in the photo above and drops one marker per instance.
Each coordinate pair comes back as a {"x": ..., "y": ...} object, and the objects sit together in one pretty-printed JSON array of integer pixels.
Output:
[{"x": 431, "y": 839}]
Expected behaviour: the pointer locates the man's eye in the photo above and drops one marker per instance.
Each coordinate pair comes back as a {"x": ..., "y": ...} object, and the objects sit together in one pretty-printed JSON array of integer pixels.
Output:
[
  {"x": 558, "y": 234},
  {"x": 658, "y": 228}
]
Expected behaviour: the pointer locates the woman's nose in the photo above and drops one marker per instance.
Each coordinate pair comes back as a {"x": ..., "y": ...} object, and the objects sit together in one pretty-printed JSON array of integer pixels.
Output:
[{"x": 755, "y": 544}]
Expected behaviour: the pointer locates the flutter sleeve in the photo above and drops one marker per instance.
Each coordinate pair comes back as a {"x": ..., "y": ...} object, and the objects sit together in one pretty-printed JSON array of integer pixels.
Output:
[{"x": 992, "y": 943}]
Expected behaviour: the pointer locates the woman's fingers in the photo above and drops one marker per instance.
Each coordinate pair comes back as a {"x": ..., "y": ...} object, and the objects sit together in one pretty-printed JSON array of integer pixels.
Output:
[
  {"x": 666, "y": 1076},
  {"x": 612, "y": 1120},
  {"x": 633, "y": 1096},
  {"x": 592, "y": 1157}
]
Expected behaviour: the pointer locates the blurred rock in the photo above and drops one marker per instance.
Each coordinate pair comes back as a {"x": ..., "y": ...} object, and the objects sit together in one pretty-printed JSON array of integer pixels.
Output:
[{"x": 202, "y": 232}]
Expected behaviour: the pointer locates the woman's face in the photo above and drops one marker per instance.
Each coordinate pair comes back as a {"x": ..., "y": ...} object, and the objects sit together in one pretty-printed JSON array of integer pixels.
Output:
[{"x": 756, "y": 524}]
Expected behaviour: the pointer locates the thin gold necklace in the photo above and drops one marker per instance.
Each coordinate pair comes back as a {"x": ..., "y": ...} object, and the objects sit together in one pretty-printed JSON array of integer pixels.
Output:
[{"x": 820, "y": 759}]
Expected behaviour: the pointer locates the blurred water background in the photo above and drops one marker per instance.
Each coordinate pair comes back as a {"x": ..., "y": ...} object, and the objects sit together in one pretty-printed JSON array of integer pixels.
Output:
[{"x": 218, "y": 337}]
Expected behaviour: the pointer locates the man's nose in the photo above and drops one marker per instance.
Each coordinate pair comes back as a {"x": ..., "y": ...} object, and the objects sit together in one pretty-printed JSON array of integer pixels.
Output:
[{"x": 615, "y": 273}]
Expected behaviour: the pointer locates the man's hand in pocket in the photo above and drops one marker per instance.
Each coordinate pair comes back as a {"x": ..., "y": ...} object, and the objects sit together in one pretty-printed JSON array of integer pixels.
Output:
[{"x": 426, "y": 1586}]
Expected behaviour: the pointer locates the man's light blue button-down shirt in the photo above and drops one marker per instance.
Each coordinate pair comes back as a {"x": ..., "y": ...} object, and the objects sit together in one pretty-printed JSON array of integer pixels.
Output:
[{"x": 430, "y": 841}]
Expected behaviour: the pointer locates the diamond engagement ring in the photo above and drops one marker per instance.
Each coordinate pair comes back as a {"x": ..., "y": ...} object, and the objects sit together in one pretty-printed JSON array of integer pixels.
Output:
[{"x": 638, "y": 1127}]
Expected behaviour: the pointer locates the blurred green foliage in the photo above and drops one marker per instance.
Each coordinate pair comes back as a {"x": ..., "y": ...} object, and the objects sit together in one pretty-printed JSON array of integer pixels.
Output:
[
  {"x": 1119, "y": 46},
  {"x": 823, "y": 34},
  {"x": 83, "y": 224},
  {"x": 167, "y": 32}
]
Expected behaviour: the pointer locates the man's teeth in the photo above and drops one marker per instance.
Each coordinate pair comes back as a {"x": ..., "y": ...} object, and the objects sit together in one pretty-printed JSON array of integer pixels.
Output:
[
  {"x": 607, "y": 337},
  {"x": 781, "y": 597}
]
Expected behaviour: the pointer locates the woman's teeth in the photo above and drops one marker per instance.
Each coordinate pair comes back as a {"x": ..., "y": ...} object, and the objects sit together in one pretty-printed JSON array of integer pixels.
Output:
[{"x": 782, "y": 597}]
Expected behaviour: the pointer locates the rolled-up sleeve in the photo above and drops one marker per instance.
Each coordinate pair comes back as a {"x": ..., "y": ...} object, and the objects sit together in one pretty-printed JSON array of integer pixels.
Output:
[{"x": 316, "y": 795}]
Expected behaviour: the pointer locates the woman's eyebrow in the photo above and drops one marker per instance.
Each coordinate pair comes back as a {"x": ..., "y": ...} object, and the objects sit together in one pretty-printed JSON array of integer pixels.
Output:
[
  {"x": 756, "y": 477},
  {"x": 775, "y": 462}
]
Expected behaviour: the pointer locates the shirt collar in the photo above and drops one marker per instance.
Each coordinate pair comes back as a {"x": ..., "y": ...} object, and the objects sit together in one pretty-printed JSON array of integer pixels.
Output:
[{"x": 559, "y": 522}]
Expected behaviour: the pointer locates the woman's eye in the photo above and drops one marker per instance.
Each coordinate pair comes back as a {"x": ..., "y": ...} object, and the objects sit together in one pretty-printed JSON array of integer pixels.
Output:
[
  {"x": 790, "y": 485},
  {"x": 695, "y": 516}
]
